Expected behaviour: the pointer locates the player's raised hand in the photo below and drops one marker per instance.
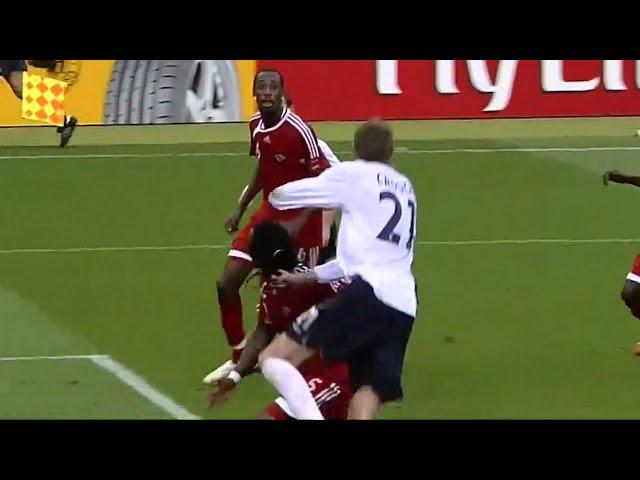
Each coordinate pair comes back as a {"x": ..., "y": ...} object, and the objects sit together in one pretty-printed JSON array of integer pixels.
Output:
[
  {"x": 223, "y": 393},
  {"x": 231, "y": 225}
]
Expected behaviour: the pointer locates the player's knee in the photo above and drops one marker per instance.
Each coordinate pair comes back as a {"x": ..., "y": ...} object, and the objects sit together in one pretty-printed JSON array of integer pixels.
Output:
[
  {"x": 387, "y": 387},
  {"x": 631, "y": 296},
  {"x": 226, "y": 289}
]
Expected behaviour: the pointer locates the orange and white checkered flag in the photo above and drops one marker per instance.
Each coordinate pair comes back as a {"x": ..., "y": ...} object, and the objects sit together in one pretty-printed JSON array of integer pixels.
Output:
[{"x": 43, "y": 99}]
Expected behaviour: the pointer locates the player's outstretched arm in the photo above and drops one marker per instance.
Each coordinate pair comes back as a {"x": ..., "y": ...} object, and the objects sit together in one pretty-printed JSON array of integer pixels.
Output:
[
  {"x": 284, "y": 279},
  {"x": 617, "y": 177},
  {"x": 324, "y": 273},
  {"x": 260, "y": 338},
  {"x": 324, "y": 191},
  {"x": 245, "y": 199}
]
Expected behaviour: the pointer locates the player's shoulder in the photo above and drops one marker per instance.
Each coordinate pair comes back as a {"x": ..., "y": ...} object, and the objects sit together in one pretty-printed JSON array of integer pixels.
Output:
[
  {"x": 254, "y": 121},
  {"x": 303, "y": 132},
  {"x": 296, "y": 122}
]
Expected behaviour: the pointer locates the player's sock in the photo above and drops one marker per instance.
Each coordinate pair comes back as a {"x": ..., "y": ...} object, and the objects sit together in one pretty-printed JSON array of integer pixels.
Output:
[
  {"x": 231, "y": 314},
  {"x": 292, "y": 386}
]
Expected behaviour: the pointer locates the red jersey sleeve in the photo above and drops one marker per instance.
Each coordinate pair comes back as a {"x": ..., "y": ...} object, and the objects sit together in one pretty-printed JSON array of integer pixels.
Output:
[
  {"x": 253, "y": 124},
  {"x": 318, "y": 163},
  {"x": 314, "y": 160}
]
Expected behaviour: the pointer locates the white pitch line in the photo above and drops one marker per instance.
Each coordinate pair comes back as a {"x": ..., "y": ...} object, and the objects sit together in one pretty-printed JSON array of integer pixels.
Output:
[
  {"x": 112, "y": 249},
  {"x": 141, "y": 386},
  {"x": 533, "y": 149},
  {"x": 50, "y": 357},
  {"x": 400, "y": 150},
  {"x": 127, "y": 376},
  {"x": 534, "y": 240},
  {"x": 222, "y": 246}
]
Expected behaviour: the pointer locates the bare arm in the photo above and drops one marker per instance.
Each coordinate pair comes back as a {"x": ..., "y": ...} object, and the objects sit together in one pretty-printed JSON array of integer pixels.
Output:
[
  {"x": 324, "y": 273},
  {"x": 251, "y": 190},
  {"x": 260, "y": 338},
  {"x": 245, "y": 199},
  {"x": 617, "y": 177}
]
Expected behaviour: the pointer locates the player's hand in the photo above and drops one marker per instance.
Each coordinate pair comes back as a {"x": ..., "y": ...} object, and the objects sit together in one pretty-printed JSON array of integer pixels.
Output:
[
  {"x": 226, "y": 386},
  {"x": 287, "y": 279},
  {"x": 610, "y": 176},
  {"x": 231, "y": 225}
]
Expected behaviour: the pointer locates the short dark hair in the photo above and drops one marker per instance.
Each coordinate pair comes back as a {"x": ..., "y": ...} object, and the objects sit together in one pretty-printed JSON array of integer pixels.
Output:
[
  {"x": 264, "y": 70},
  {"x": 272, "y": 248},
  {"x": 373, "y": 141}
]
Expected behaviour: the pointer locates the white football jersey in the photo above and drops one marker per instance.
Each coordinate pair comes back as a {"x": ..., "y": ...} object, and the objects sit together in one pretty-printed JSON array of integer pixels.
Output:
[
  {"x": 377, "y": 230},
  {"x": 328, "y": 153}
]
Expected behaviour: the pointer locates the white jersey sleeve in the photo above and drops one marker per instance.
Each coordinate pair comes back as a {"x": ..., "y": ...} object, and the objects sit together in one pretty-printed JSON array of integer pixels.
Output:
[
  {"x": 329, "y": 271},
  {"x": 328, "y": 153},
  {"x": 327, "y": 190}
]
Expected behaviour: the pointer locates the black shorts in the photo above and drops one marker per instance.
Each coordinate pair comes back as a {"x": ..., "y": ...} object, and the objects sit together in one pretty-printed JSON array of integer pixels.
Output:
[
  {"x": 8, "y": 66},
  {"x": 356, "y": 327}
]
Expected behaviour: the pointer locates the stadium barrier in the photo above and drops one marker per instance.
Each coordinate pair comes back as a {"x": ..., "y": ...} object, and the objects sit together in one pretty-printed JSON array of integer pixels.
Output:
[{"x": 132, "y": 92}]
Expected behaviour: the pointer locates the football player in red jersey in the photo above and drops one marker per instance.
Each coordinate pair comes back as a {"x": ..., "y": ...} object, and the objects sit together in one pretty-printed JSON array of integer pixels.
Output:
[
  {"x": 286, "y": 149},
  {"x": 272, "y": 249},
  {"x": 631, "y": 291}
]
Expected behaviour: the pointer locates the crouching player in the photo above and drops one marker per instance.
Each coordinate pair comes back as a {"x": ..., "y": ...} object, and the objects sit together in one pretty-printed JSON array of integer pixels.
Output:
[{"x": 272, "y": 249}]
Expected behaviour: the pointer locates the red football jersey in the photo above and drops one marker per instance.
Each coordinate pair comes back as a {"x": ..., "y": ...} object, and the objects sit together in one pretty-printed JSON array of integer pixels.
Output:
[
  {"x": 329, "y": 383},
  {"x": 286, "y": 152},
  {"x": 281, "y": 306}
]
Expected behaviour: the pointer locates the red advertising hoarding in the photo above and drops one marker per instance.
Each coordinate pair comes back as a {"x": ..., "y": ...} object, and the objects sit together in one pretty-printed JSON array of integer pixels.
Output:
[{"x": 424, "y": 89}]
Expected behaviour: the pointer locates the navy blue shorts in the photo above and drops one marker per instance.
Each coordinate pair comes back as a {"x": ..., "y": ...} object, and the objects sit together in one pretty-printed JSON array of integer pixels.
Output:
[
  {"x": 370, "y": 336},
  {"x": 8, "y": 66}
]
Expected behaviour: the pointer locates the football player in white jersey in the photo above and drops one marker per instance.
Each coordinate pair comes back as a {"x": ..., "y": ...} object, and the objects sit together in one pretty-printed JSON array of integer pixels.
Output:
[{"x": 369, "y": 323}]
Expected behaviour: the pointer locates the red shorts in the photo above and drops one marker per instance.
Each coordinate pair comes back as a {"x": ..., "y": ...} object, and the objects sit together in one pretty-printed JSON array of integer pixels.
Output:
[
  {"x": 634, "y": 274},
  {"x": 308, "y": 241},
  {"x": 330, "y": 386}
]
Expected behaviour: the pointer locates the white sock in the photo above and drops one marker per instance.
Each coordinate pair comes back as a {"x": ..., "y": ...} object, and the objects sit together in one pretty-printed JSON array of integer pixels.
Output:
[{"x": 292, "y": 386}]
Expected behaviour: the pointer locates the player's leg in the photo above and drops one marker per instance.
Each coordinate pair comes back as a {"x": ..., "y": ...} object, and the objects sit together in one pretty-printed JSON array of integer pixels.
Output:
[
  {"x": 336, "y": 328},
  {"x": 376, "y": 371},
  {"x": 631, "y": 291},
  {"x": 631, "y": 297},
  {"x": 276, "y": 411},
  {"x": 236, "y": 270},
  {"x": 364, "y": 404},
  {"x": 278, "y": 364},
  {"x": 66, "y": 131}
]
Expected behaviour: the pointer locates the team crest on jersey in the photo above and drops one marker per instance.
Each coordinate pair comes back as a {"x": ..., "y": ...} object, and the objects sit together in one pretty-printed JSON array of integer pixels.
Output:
[
  {"x": 267, "y": 139},
  {"x": 280, "y": 158}
]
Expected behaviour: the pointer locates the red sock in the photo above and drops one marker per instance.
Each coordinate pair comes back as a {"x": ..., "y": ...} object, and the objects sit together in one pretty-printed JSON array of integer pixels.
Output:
[{"x": 231, "y": 314}]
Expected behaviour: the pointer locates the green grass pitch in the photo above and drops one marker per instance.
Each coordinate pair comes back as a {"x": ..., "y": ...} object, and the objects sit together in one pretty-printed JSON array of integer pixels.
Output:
[{"x": 505, "y": 329}]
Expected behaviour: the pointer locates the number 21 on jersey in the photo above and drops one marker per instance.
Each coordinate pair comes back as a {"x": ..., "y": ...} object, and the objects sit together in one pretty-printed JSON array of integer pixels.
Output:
[{"x": 388, "y": 233}]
